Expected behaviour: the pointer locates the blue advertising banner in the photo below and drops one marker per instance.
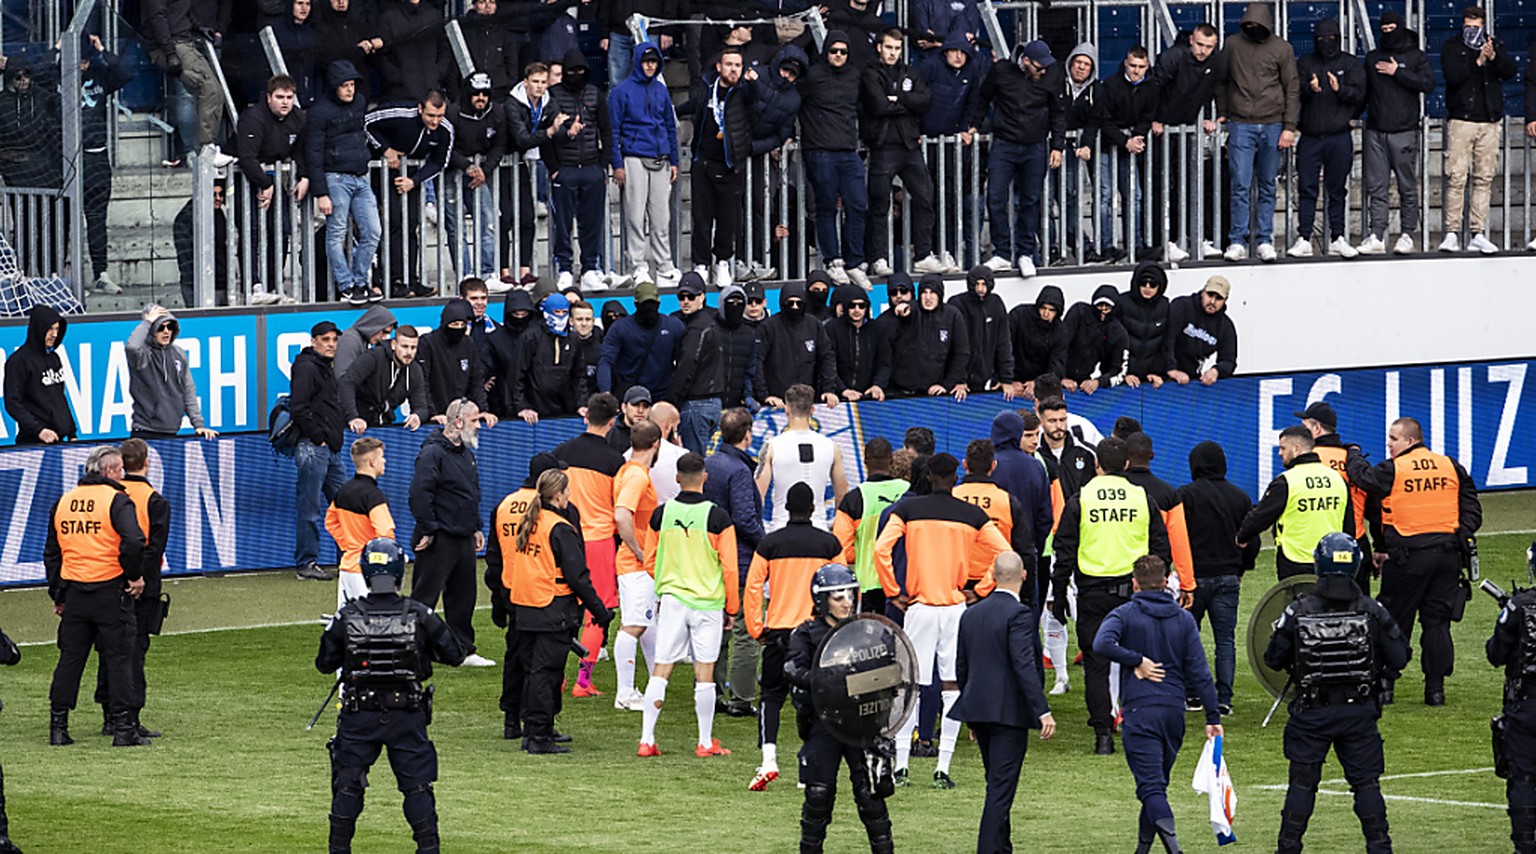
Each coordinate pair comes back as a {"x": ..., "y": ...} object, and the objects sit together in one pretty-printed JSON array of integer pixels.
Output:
[{"x": 233, "y": 499}]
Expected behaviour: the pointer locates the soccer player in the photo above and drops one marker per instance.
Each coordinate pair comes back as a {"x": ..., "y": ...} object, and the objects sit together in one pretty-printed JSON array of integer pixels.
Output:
[
  {"x": 359, "y": 515},
  {"x": 634, "y": 502}
]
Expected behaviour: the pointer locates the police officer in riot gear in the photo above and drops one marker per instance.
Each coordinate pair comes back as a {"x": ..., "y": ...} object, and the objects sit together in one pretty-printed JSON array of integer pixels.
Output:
[
  {"x": 835, "y": 598},
  {"x": 1339, "y": 646},
  {"x": 384, "y": 645},
  {"x": 1513, "y": 647}
]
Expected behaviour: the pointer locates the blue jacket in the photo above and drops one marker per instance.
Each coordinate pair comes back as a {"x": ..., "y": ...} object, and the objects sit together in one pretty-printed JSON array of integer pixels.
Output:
[
  {"x": 954, "y": 90},
  {"x": 1021, "y": 475},
  {"x": 777, "y": 104},
  {"x": 636, "y": 355},
  {"x": 334, "y": 140},
  {"x": 1152, "y": 625},
  {"x": 941, "y": 20},
  {"x": 640, "y": 115},
  {"x": 996, "y": 661},
  {"x": 731, "y": 487}
]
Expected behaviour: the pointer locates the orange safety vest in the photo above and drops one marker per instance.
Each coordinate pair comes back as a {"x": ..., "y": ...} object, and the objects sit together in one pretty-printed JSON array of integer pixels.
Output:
[
  {"x": 1335, "y": 457},
  {"x": 139, "y": 492},
  {"x": 1425, "y": 493},
  {"x": 82, "y": 523},
  {"x": 532, "y": 577}
]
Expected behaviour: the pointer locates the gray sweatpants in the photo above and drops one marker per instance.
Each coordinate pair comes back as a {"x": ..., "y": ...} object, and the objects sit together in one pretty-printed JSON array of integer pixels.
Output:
[
  {"x": 197, "y": 76},
  {"x": 647, "y": 216},
  {"x": 1392, "y": 156}
]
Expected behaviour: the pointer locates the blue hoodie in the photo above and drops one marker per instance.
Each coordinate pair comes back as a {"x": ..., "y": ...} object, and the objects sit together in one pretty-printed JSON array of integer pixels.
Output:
[
  {"x": 955, "y": 90},
  {"x": 1021, "y": 475},
  {"x": 641, "y": 116},
  {"x": 1152, "y": 625}
]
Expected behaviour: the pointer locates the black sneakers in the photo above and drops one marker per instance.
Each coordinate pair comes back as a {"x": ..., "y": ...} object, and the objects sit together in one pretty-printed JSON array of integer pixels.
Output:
[{"x": 312, "y": 572}]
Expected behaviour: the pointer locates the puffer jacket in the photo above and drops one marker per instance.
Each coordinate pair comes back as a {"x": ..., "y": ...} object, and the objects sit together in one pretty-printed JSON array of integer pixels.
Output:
[
  {"x": 589, "y": 147},
  {"x": 954, "y": 90},
  {"x": 1145, "y": 320},
  {"x": 828, "y": 121},
  {"x": 777, "y": 103}
]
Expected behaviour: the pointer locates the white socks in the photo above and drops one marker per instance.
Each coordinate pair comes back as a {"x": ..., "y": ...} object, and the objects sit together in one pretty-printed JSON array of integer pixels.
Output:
[
  {"x": 1114, "y": 687},
  {"x": 1056, "y": 647},
  {"x": 704, "y": 710},
  {"x": 655, "y": 692},
  {"x": 904, "y": 740},
  {"x": 625, "y": 646},
  {"x": 949, "y": 731},
  {"x": 771, "y": 756},
  {"x": 648, "y": 646}
]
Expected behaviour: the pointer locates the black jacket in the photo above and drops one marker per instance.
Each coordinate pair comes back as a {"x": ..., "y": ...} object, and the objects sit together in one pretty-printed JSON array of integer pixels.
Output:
[
  {"x": 1038, "y": 347},
  {"x": 797, "y": 350},
  {"x": 590, "y": 146},
  {"x": 314, "y": 400},
  {"x": 829, "y": 99},
  {"x": 415, "y": 57},
  {"x": 159, "y": 514},
  {"x": 740, "y": 357},
  {"x": 553, "y": 379},
  {"x": 1126, "y": 110},
  {"x": 1213, "y": 509},
  {"x": 777, "y": 103},
  {"x": 265, "y": 138},
  {"x": 1327, "y": 111},
  {"x": 1145, "y": 321},
  {"x": 1069, "y": 536},
  {"x": 477, "y": 134},
  {"x": 339, "y": 34},
  {"x": 1392, "y": 100},
  {"x": 986, "y": 325},
  {"x": 1271, "y": 508},
  {"x": 1096, "y": 348},
  {"x": 996, "y": 665},
  {"x": 445, "y": 489},
  {"x": 1184, "y": 87},
  {"x": 1475, "y": 93},
  {"x": 450, "y": 362},
  {"x": 736, "y": 147},
  {"x": 1194, "y": 335},
  {"x": 504, "y": 353},
  {"x": 376, "y": 384},
  {"x": 1025, "y": 111},
  {"x": 892, "y": 102},
  {"x": 1075, "y": 467},
  {"x": 402, "y": 129},
  {"x": 35, "y": 395},
  {"x": 929, "y": 347},
  {"x": 494, "y": 48},
  {"x": 700, "y": 372},
  {"x": 334, "y": 139},
  {"x": 854, "y": 346},
  {"x": 165, "y": 22}
]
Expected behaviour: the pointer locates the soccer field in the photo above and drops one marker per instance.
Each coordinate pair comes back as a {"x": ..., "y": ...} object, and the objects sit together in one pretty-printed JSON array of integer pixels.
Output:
[{"x": 233, "y": 684}]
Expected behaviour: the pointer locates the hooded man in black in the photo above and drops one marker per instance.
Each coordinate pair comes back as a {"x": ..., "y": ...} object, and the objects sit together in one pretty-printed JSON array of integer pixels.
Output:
[
  {"x": 853, "y": 340},
  {"x": 1097, "y": 346},
  {"x": 1332, "y": 92},
  {"x": 35, "y": 396},
  {"x": 504, "y": 355},
  {"x": 933, "y": 346},
  {"x": 741, "y": 367},
  {"x": 451, "y": 363},
  {"x": 986, "y": 322},
  {"x": 1397, "y": 75},
  {"x": 901, "y": 301},
  {"x": 576, "y": 155},
  {"x": 1143, "y": 311},
  {"x": 829, "y": 136},
  {"x": 1039, "y": 339},
  {"x": 797, "y": 349}
]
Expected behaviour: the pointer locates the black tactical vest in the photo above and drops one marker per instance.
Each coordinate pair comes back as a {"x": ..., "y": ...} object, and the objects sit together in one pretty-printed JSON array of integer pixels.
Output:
[
  {"x": 382, "y": 651},
  {"x": 1520, "y": 681},
  {"x": 1335, "y": 658}
]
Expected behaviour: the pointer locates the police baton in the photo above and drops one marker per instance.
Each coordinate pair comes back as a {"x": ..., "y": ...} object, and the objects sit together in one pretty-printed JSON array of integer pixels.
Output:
[
  {"x": 320, "y": 711},
  {"x": 1278, "y": 699}
]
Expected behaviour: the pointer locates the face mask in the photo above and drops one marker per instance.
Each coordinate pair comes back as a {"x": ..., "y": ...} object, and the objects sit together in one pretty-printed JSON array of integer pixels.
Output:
[
  {"x": 817, "y": 297},
  {"x": 1328, "y": 47},
  {"x": 733, "y": 311},
  {"x": 575, "y": 78},
  {"x": 1396, "y": 40},
  {"x": 1474, "y": 37},
  {"x": 518, "y": 324},
  {"x": 1256, "y": 33},
  {"x": 648, "y": 314},
  {"x": 559, "y": 324},
  {"x": 455, "y": 335},
  {"x": 794, "y": 312}
]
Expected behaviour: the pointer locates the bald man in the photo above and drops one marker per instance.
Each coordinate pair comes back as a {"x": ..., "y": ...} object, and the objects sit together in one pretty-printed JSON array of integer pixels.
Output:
[{"x": 664, "y": 470}]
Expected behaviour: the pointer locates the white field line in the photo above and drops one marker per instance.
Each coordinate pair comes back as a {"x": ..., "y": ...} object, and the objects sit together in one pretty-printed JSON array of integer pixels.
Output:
[{"x": 1407, "y": 798}]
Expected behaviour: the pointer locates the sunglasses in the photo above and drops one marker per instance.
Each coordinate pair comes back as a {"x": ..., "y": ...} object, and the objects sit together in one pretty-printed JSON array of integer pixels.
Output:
[
  {"x": 685, "y": 295},
  {"x": 901, "y": 289},
  {"x": 837, "y": 51},
  {"x": 863, "y": 305},
  {"x": 758, "y": 300}
]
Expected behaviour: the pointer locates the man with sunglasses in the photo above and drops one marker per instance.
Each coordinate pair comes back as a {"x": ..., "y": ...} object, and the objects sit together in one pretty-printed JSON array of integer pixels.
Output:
[
  {"x": 699, "y": 379},
  {"x": 899, "y": 305},
  {"x": 853, "y": 343},
  {"x": 1202, "y": 340},
  {"x": 829, "y": 135}
]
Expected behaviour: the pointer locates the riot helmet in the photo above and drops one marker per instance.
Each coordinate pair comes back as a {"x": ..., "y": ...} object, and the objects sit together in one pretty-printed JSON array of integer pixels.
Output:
[
  {"x": 1336, "y": 554},
  {"x": 383, "y": 559},
  {"x": 832, "y": 578}
]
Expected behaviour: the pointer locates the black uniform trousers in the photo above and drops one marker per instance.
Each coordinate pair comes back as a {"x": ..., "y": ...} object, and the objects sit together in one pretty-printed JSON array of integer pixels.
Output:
[
  {"x": 359, "y": 737},
  {"x": 1520, "y": 788},
  {"x": 1425, "y": 586},
  {"x": 1151, "y": 736},
  {"x": 820, "y": 755},
  {"x": 144, "y": 612},
  {"x": 1002, "y": 755},
  {"x": 717, "y": 209},
  {"x": 885, "y": 164},
  {"x": 543, "y": 656},
  {"x": 100, "y": 613},
  {"x": 774, "y": 685},
  {"x": 446, "y": 570},
  {"x": 1350, "y": 731},
  {"x": 1094, "y": 604},
  {"x": 514, "y": 673}
]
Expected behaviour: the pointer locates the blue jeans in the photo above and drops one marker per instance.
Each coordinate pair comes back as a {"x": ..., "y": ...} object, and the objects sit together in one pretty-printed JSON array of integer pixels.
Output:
[
  {"x": 701, "y": 418},
  {"x": 1010, "y": 164},
  {"x": 621, "y": 49},
  {"x": 1218, "y": 597},
  {"x": 834, "y": 175},
  {"x": 320, "y": 479},
  {"x": 480, "y": 203},
  {"x": 351, "y": 199},
  {"x": 1112, "y": 234},
  {"x": 1253, "y": 154}
]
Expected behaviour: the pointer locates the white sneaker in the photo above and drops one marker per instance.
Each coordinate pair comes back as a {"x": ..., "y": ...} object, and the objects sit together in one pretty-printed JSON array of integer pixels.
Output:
[
  {"x": 630, "y": 702},
  {"x": 763, "y": 274},
  {"x": 1026, "y": 266},
  {"x": 998, "y": 264},
  {"x": 953, "y": 266},
  {"x": 261, "y": 296},
  {"x": 1372, "y": 245},
  {"x": 618, "y": 280},
  {"x": 1175, "y": 254},
  {"x": 836, "y": 272},
  {"x": 540, "y": 209},
  {"x": 931, "y": 264},
  {"x": 1267, "y": 252},
  {"x": 1451, "y": 243},
  {"x": 1481, "y": 243},
  {"x": 592, "y": 280},
  {"x": 105, "y": 284},
  {"x": 1531, "y": 246},
  {"x": 1302, "y": 248},
  {"x": 220, "y": 159},
  {"x": 882, "y": 267},
  {"x": 1236, "y": 252},
  {"x": 1404, "y": 245},
  {"x": 475, "y": 659},
  {"x": 602, "y": 653},
  {"x": 431, "y": 214},
  {"x": 1059, "y": 688},
  {"x": 642, "y": 273},
  {"x": 1340, "y": 247},
  {"x": 497, "y": 285},
  {"x": 564, "y": 280},
  {"x": 669, "y": 278},
  {"x": 1209, "y": 249},
  {"x": 722, "y": 274},
  {"x": 857, "y": 276}
]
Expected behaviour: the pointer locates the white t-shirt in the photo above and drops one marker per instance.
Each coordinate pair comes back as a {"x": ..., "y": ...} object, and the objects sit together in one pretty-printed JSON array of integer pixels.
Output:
[
  {"x": 664, "y": 470},
  {"x": 800, "y": 456}
]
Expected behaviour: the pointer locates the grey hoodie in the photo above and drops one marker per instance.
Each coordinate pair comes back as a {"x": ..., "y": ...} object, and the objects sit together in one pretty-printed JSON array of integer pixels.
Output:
[
  {"x": 1085, "y": 49},
  {"x": 160, "y": 380},
  {"x": 354, "y": 342}
]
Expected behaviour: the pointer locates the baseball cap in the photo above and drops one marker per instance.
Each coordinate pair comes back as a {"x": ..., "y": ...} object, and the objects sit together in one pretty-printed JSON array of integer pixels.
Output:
[
  {"x": 1320, "y": 412},
  {"x": 692, "y": 283},
  {"x": 323, "y": 327},
  {"x": 1038, "y": 52},
  {"x": 637, "y": 394},
  {"x": 1219, "y": 285},
  {"x": 647, "y": 292}
]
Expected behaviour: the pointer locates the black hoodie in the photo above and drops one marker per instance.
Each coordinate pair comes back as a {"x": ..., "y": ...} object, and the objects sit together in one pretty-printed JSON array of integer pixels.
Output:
[
  {"x": 1185, "y": 86},
  {"x": 1145, "y": 320},
  {"x": 35, "y": 395},
  {"x": 854, "y": 345},
  {"x": 930, "y": 347},
  {"x": 584, "y": 101},
  {"x": 445, "y": 489},
  {"x": 1213, "y": 509},
  {"x": 1327, "y": 111},
  {"x": 503, "y": 353},
  {"x": 553, "y": 379},
  {"x": 450, "y": 362},
  {"x": 986, "y": 324},
  {"x": 1194, "y": 335},
  {"x": 1097, "y": 348},
  {"x": 1392, "y": 100},
  {"x": 741, "y": 366},
  {"x": 415, "y": 56},
  {"x": 829, "y": 100},
  {"x": 1038, "y": 347},
  {"x": 797, "y": 349}
]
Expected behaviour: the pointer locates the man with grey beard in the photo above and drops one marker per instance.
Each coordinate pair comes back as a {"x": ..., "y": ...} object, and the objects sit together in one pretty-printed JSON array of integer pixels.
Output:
[{"x": 445, "y": 499}]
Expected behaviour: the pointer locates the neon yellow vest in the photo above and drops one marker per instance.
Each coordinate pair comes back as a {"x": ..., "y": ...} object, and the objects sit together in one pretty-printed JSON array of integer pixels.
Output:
[
  {"x": 1314, "y": 508},
  {"x": 687, "y": 566},
  {"x": 1114, "y": 529},
  {"x": 876, "y": 495}
]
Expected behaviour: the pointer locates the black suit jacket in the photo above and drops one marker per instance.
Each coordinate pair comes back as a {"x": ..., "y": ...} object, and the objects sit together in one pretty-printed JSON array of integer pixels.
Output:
[{"x": 996, "y": 664}]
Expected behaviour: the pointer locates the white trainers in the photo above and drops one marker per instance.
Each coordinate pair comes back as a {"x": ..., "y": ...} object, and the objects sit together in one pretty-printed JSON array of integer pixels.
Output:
[
  {"x": 1531, "y": 246},
  {"x": 998, "y": 264},
  {"x": 931, "y": 264},
  {"x": 475, "y": 659},
  {"x": 592, "y": 281},
  {"x": 857, "y": 276},
  {"x": 722, "y": 274},
  {"x": 1267, "y": 254},
  {"x": 261, "y": 296},
  {"x": 496, "y": 285},
  {"x": 1404, "y": 245},
  {"x": 669, "y": 278},
  {"x": 1175, "y": 254},
  {"x": 1236, "y": 252},
  {"x": 105, "y": 284},
  {"x": 633, "y": 701},
  {"x": 642, "y": 273},
  {"x": 1209, "y": 249},
  {"x": 764, "y": 274},
  {"x": 1340, "y": 247},
  {"x": 1372, "y": 245},
  {"x": 1026, "y": 266},
  {"x": 617, "y": 280},
  {"x": 953, "y": 266},
  {"x": 1451, "y": 243},
  {"x": 836, "y": 272},
  {"x": 882, "y": 267},
  {"x": 1480, "y": 243},
  {"x": 220, "y": 159},
  {"x": 1302, "y": 248},
  {"x": 1060, "y": 687},
  {"x": 431, "y": 213},
  {"x": 563, "y": 281}
]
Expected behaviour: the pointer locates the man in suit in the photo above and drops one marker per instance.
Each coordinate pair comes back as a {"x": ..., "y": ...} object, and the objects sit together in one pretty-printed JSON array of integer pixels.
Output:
[{"x": 1004, "y": 700}]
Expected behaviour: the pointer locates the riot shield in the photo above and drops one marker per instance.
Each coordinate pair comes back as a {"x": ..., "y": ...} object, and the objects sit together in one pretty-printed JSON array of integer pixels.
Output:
[
  {"x": 1261, "y": 626},
  {"x": 864, "y": 680}
]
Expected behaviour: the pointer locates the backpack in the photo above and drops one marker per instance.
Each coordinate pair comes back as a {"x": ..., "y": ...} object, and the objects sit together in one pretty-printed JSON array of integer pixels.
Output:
[{"x": 282, "y": 432}]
